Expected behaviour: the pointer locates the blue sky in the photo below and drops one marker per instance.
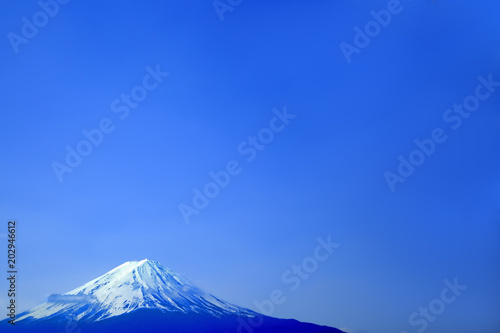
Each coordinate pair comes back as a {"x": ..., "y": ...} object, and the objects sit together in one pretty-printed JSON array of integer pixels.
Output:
[{"x": 323, "y": 174}]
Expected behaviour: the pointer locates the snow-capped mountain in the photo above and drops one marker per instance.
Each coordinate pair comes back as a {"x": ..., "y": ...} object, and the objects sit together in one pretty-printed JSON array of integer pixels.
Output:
[
  {"x": 134, "y": 285},
  {"x": 144, "y": 296}
]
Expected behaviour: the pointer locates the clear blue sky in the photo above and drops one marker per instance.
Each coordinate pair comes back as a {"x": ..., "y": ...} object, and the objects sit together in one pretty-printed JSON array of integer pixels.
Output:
[{"x": 322, "y": 175}]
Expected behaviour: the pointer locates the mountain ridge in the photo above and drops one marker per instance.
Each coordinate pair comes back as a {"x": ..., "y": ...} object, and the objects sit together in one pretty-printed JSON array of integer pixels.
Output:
[
  {"x": 136, "y": 285},
  {"x": 145, "y": 296}
]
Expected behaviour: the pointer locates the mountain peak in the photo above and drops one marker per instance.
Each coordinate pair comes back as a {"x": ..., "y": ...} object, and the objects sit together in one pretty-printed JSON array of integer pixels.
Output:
[
  {"x": 143, "y": 261},
  {"x": 136, "y": 263},
  {"x": 142, "y": 284}
]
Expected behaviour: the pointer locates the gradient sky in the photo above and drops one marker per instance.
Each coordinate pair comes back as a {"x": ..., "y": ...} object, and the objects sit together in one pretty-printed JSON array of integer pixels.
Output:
[{"x": 322, "y": 175}]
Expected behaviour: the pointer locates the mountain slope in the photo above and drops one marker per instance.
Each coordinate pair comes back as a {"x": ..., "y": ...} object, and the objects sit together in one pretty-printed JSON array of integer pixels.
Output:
[
  {"x": 144, "y": 296},
  {"x": 136, "y": 285}
]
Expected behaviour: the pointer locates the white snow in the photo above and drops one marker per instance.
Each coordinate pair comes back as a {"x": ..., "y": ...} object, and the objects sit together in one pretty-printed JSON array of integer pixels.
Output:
[{"x": 136, "y": 285}]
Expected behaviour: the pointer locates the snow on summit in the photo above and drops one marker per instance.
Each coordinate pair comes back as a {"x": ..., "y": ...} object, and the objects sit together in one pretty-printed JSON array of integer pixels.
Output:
[{"x": 131, "y": 286}]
